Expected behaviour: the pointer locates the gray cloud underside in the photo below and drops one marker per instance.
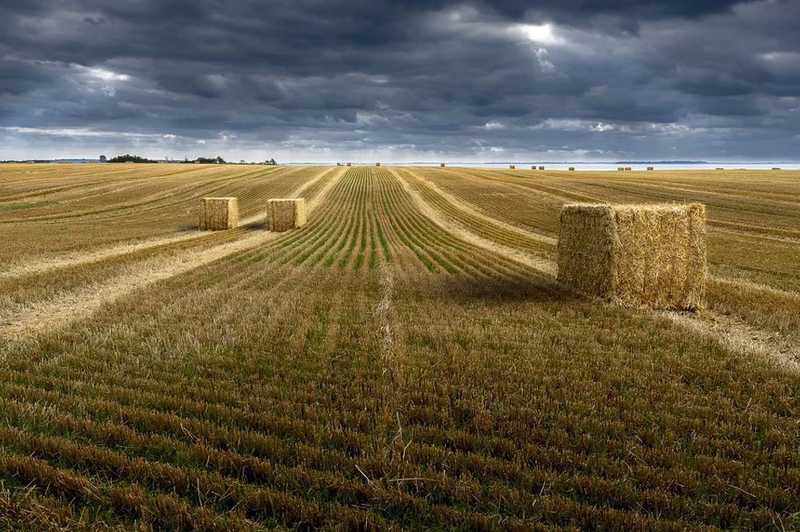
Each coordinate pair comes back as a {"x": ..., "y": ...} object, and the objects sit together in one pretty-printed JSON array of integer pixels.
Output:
[{"x": 318, "y": 80}]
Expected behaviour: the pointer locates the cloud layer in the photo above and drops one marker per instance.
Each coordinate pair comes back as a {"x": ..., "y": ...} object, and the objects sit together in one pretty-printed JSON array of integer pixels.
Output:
[{"x": 428, "y": 80}]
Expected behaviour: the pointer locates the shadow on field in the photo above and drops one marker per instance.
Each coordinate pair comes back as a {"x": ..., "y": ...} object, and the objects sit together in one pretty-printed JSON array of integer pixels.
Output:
[{"x": 535, "y": 289}]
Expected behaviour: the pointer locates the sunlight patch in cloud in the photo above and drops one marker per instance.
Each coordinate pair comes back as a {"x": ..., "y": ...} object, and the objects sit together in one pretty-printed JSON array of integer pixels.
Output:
[{"x": 538, "y": 33}]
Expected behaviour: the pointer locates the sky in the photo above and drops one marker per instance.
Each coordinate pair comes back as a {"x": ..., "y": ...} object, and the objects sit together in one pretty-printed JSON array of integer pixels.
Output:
[{"x": 402, "y": 81}]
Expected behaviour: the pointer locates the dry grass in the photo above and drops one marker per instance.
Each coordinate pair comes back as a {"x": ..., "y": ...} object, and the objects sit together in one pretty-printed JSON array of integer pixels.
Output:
[{"x": 412, "y": 381}]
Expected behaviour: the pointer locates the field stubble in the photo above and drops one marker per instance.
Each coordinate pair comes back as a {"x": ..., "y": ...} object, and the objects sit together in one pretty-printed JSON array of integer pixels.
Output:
[{"x": 376, "y": 369}]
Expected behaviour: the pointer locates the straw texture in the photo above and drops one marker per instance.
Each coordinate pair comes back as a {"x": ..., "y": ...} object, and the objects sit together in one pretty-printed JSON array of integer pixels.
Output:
[
  {"x": 285, "y": 214},
  {"x": 636, "y": 255},
  {"x": 218, "y": 214}
]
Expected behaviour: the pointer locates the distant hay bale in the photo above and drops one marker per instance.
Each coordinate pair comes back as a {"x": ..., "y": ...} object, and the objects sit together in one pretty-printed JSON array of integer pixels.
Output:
[
  {"x": 720, "y": 169},
  {"x": 285, "y": 214},
  {"x": 217, "y": 214},
  {"x": 512, "y": 167},
  {"x": 571, "y": 168},
  {"x": 650, "y": 168},
  {"x": 776, "y": 168},
  {"x": 627, "y": 168},
  {"x": 620, "y": 169},
  {"x": 442, "y": 165},
  {"x": 349, "y": 164},
  {"x": 541, "y": 168},
  {"x": 638, "y": 255},
  {"x": 377, "y": 164}
]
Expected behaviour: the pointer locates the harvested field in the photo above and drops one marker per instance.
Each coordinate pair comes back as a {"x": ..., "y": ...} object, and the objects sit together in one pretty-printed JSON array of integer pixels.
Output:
[
  {"x": 73, "y": 205},
  {"x": 402, "y": 361}
]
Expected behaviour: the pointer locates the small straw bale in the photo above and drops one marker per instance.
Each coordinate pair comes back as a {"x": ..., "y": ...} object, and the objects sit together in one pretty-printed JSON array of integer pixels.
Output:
[
  {"x": 285, "y": 214},
  {"x": 720, "y": 169},
  {"x": 349, "y": 164},
  {"x": 620, "y": 169},
  {"x": 650, "y": 168},
  {"x": 541, "y": 168},
  {"x": 512, "y": 167},
  {"x": 776, "y": 168},
  {"x": 217, "y": 214},
  {"x": 377, "y": 164},
  {"x": 627, "y": 168},
  {"x": 442, "y": 165},
  {"x": 635, "y": 255},
  {"x": 571, "y": 168}
]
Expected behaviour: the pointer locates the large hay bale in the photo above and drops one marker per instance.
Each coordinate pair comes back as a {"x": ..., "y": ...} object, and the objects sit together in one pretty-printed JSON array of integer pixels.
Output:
[
  {"x": 219, "y": 213},
  {"x": 285, "y": 214},
  {"x": 639, "y": 255}
]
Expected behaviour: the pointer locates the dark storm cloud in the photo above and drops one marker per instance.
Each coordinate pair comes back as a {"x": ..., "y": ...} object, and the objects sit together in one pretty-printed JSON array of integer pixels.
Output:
[{"x": 472, "y": 79}]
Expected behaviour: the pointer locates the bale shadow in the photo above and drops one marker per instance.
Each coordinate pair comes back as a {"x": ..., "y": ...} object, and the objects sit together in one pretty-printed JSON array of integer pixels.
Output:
[{"x": 536, "y": 289}]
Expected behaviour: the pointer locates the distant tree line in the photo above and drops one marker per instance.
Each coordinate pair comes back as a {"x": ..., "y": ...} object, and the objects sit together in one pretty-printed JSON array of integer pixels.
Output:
[
  {"x": 128, "y": 158},
  {"x": 206, "y": 160}
]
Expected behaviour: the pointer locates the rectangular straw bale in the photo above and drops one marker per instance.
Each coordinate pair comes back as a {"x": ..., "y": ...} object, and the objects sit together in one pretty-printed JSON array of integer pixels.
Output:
[
  {"x": 442, "y": 165},
  {"x": 219, "y": 213},
  {"x": 285, "y": 214},
  {"x": 349, "y": 164},
  {"x": 636, "y": 255},
  {"x": 377, "y": 164},
  {"x": 512, "y": 167},
  {"x": 541, "y": 168},
  {"x": 650, "y": 168},
  {"x": 571, "y": 168}
]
